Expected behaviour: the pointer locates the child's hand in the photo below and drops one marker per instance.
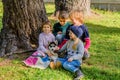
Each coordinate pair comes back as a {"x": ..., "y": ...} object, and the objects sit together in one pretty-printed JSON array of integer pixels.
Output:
[
  {"x": 70, "y": 59},
  {"x": 57, "y": 48},
  {"x": 48, "y": 53},
  {"x": 59, "y": 32},
  {"x": 43, "y": 55}
]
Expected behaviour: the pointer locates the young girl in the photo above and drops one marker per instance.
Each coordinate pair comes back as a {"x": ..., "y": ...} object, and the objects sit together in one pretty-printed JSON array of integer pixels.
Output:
[
  {"x": 59, "y": 28},
  {"x": 75, "y": 51},
  {"x": 40, "y": 58},
  {"x": 77, "y": 20}
]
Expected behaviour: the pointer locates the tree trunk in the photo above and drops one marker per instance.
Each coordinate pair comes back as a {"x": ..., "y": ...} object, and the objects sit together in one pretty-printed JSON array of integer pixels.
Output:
[
  {"x": 69, "y": 5},
  {"x": 22, "y": 21}
]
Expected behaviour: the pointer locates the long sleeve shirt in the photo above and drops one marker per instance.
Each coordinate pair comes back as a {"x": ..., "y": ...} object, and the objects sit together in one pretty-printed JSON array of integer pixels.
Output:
[
  {"x": 75, "y": 53},
  {"x": 58, "y": 27},
  {"x": 44, "y": 40}
]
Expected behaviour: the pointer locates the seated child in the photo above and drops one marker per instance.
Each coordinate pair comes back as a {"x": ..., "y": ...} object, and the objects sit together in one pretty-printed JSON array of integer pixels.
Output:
[
  {"x": 40, "y": 58},
  {"x": 75, "y": 51},
  {"x": 59, "y": 28}
]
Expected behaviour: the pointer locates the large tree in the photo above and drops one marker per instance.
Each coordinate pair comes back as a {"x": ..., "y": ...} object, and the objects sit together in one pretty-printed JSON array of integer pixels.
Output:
[
  {"x": 22, "y": 20},
  {"x": 68, "y": 5}
]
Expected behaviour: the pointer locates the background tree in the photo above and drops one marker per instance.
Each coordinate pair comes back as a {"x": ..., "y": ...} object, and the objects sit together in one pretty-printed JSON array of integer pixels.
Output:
[
  {"x": 68, "y": 5},
  {"x": 22, "y": 21}
]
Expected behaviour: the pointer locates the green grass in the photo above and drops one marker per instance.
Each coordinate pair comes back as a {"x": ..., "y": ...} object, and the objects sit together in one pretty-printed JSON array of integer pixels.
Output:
[
  {"x": 50, "y": 7},
  {"x": 104, "y": 63}
]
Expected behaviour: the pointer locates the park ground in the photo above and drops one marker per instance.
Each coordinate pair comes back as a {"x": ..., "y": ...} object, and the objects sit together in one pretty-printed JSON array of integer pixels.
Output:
[{"x": 104, "y": 63}]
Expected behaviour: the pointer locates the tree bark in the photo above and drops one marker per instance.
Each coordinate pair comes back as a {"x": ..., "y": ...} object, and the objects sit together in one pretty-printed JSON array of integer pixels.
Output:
[
  {"x": 68, "y": 5},
  {"x": 22, "y": 20}
]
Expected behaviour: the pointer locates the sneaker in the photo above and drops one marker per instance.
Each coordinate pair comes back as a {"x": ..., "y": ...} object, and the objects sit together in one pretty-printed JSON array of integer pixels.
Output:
[
  {"x": 79, "y": 75},
  {"x": 86, "y": 56},
  {"x": 52, "y": 65},
  {"x": 58, "y": 64}
]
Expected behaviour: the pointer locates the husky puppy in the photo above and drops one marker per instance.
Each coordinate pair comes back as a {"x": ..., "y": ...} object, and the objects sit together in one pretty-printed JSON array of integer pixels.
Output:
[{"x": 51, "y": 47}]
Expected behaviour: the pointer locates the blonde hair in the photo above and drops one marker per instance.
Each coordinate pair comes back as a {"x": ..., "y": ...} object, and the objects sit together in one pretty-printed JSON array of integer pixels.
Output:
[
  {"x": 47, "y": 23},
  {"x": 77, "y": 14}
]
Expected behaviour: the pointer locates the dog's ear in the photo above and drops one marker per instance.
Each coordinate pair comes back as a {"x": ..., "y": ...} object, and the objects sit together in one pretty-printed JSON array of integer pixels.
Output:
[{"x": 56, "y": 42}]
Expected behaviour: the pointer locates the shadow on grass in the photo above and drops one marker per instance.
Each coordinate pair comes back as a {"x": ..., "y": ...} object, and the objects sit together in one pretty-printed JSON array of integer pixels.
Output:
[
  {"x": 49, "y": 14},
  {"x": 100, "y": 74},
  {"x": 104, "y": 36},
  {"x": 1, "y": 17},
  {"x": 99, "y": 29},
  {"x": 17, "y": 56}
]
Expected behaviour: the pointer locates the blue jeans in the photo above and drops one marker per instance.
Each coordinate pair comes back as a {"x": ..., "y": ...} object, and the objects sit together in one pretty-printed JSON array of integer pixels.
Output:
[
  {"x": 72, "y": 66},
  {"x": 45, "y": 59}
]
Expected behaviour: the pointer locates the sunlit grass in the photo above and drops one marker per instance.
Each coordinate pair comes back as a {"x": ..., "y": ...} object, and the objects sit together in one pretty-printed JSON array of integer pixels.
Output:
[{"x": 50, "y": 8}]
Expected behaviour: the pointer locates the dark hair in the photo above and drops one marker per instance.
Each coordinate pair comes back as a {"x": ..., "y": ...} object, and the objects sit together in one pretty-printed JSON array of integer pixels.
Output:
[{"x": 63, "y": 15}]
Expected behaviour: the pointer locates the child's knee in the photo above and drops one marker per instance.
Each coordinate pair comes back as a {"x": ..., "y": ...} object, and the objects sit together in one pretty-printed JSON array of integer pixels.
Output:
[
  {"x": 66, "y": 65},
  {"x": 59, "y": 37}
]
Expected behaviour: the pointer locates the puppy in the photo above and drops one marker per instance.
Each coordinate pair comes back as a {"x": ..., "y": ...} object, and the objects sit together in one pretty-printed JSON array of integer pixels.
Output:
[
  {"x": 51, "y": 47},
  {"x": 54, "y": 63}
]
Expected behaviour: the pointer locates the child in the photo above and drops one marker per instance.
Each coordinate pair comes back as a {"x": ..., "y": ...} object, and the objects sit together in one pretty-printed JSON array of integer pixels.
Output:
[
  {"x": 77, "y": 20},
  {"x": 75, "y": 51},
  {"x": 40, "y": 58},
  {"x": 59, "y": 28}
]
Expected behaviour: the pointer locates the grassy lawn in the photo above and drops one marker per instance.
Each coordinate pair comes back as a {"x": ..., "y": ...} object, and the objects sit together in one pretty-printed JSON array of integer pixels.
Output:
[{"x": 104, "y": 63}]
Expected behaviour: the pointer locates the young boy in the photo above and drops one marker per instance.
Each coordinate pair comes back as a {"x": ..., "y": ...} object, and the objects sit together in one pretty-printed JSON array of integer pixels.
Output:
[
  {"x": 75, "y": 51},
  {"x": 59, "y": 28}
]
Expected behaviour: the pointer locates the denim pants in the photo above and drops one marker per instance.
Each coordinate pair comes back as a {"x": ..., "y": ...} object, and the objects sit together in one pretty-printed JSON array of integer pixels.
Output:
[
  {"x": 72, "y": 66},
  {"x": 46, "y": 58}
]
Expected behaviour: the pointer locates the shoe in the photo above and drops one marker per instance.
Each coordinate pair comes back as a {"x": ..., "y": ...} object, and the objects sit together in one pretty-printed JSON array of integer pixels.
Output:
[
  {"x": 86, "y": 56},
  {"x": 58, "y": 64},
  {"x": 79, "y": 75},
  {"x": 52, "y": 65}
]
